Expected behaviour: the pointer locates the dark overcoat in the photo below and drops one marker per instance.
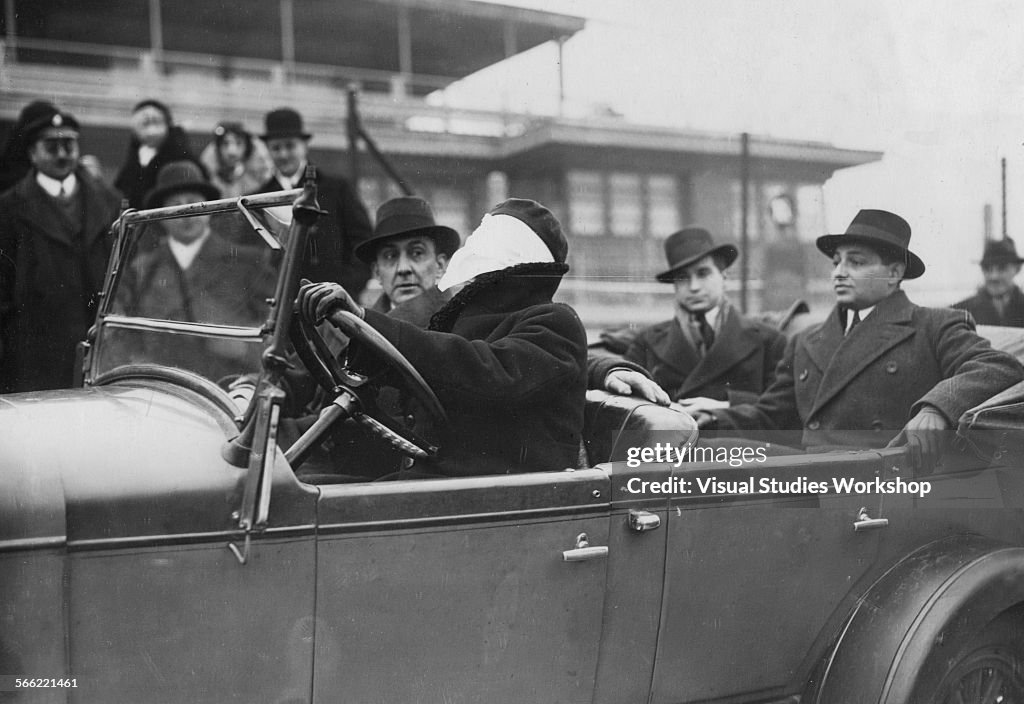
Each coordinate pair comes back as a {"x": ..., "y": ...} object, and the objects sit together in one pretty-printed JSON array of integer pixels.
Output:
[
  {"x": 226, "y": 284},
  {"x": 859, "y": 390},
  {"x": 330, "y": 249},
  {"x": 980, "y": 305},
  {"x": 135, "y": 180},
  {"x": 510, "y": 368},
  {"x": 738, "y": 367},
  {"x": 50, "y": 272}
]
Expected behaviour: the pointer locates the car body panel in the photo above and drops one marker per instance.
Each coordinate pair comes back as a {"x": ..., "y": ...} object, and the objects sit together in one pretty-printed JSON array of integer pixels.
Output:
[
  {"x": 718, "y": 548},
  {"x": 461, "y": 584}
]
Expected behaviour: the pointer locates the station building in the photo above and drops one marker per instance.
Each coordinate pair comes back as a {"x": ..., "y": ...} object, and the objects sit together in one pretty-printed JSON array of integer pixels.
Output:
[{"x": 618, "y": 187}]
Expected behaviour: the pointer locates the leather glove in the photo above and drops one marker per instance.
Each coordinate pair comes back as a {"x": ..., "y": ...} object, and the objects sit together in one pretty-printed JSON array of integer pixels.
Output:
[{"x": 316, "y": 301}]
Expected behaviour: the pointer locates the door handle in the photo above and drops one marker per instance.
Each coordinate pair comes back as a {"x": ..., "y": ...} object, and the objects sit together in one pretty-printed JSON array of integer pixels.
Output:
[
  {"x": 866, "y": 522},
  {"x": 643, "y": 521},
  {"x": 584, "y": 550}
]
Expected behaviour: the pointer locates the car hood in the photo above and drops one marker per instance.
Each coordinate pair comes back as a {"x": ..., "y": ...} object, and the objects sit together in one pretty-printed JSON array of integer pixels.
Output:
[{"x": 103, "y": 464}]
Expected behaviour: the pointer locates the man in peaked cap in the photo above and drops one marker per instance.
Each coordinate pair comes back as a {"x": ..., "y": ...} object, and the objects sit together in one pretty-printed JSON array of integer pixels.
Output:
[
  {"x": 999, "y": 301},
  {"x": 507, "y": 362},
  {"x": 332, "y": 241},
  {"x": 54, "y": 246},
  {"x": 708, "y": 356},
  {"x": 879, "y": 370}
]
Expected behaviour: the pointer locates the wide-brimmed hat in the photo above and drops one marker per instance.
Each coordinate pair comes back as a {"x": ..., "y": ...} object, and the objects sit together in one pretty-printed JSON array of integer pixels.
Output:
[
  {"x": 180, "y": 176},
  {"x": 47, "y": 116},
  {"x": 878, "y": 229},
  {"x": 692, "y": 244},
  {"x": 407, "y": 216},
  {"x": 283, "y": 123},
  {"x": 1002, "y": 251}
]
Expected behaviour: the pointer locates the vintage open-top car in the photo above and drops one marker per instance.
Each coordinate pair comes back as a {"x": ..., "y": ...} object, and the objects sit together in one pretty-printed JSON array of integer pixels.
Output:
[{"x": 158, "y": 543}]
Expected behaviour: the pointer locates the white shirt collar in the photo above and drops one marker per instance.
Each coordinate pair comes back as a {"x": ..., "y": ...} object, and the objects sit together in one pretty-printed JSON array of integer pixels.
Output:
[
  {"x": 184, "y": 253},
  {"x": 864, "y": 313},
  {"x": 146, "y": 154},
  {"x": 53, "y": 186},
  {"x": 293, "y": 180}
]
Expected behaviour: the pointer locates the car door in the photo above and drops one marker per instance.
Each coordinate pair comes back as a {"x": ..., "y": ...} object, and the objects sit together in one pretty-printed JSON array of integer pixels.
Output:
[
  {"x": 752, "y": 578},
  {"x": 158, "y": 607},
  {"x": 478, "y": 589}
]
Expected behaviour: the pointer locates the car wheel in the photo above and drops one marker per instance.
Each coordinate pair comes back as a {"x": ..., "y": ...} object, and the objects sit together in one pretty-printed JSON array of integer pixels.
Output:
[{"x": 989, "y": 670}]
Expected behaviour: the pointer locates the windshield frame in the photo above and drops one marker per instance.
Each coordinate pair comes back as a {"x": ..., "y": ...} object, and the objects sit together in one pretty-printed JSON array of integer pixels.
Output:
[{"x": 123, "y": 229}]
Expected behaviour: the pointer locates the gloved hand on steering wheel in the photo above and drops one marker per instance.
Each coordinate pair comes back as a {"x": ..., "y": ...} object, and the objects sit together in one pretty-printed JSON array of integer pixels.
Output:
[{"x": 316, "y": 301}]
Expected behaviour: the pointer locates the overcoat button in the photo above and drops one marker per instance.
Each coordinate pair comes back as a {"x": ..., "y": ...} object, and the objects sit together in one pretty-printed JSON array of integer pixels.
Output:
[
  {"x": 891, "y": 367},
  {"x": 814, "y": 425},
  {"x": 803, "y": 375}
]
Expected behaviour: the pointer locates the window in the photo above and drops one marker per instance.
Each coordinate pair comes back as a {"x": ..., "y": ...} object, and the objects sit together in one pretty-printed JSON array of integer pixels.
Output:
[
  {"x": 627, "y": 208},
  {"x": 586, "y": 203},
  {"x": 662, "y": 204}
]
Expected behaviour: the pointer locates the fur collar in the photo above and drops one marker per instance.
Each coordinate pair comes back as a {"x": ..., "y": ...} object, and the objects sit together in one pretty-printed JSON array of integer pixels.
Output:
[{"x": 538, "y": 279}]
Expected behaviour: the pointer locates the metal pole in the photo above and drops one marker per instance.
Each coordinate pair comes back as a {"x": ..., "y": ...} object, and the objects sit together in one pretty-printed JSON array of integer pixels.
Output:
[
  {"x": 744, "y": 209},
  {"x": 1004, "y": 196},
  {"x": 156, "y": 32},
  {"x": 352, "y": 129},
  {"x": 11, "y": 22},
  {"x": 561, "y": 76},
  {"x": 404, "y": 48},
  {"x": 287, "y": 9}
]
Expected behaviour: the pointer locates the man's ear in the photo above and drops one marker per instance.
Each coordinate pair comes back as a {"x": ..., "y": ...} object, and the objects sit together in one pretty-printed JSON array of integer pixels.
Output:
[
  {"x": 896, "y": 272},
  {"x": 375, "y": 270},
  {"x": 442, "y": 263}
]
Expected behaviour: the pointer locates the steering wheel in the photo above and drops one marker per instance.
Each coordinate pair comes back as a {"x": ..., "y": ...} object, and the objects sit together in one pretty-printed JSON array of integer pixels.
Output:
[{"x": 354, "y": 393}]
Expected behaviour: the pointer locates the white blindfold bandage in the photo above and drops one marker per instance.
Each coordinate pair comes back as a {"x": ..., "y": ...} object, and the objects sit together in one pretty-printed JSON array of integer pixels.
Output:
[{"x": 500, "y": 241}]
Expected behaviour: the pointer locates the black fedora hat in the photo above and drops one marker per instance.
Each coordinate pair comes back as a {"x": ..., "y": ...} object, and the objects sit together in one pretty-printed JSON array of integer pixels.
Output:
[
  {"x": 180, "y": 176},
  {"x": 878, "y": 229},
  {"x": 407, "y": 216},
  {"x": 1002, "y": 251},
  {"x": 283, "y": 123},
  {"x": 692, "y": 244}
]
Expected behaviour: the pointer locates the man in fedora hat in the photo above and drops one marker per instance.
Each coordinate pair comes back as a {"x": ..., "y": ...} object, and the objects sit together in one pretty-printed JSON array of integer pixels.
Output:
[
  {"x": 708, "y": 356},
  {"x": 54, "y": 246},
  {"x": 879, "y": 370},
  {"x": 329, "y": 253},
  {"x": 195, "y": 274},
  {"x": 999, "y": 301},
  {"x": 408, "y": 253}
]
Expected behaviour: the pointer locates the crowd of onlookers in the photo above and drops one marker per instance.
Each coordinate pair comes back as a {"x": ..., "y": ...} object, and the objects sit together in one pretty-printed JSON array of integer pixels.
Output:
[{"x": 56, "y": 210}]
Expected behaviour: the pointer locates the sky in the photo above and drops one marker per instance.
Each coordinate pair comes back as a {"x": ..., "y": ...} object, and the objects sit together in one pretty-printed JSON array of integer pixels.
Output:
[{"x": 938, "y": 86}]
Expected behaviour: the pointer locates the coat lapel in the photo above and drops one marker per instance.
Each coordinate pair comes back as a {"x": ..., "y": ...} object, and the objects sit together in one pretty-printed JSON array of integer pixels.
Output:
[
  {"x": 885, "y": 328},
  {"x": 670, "y": 345},
  {"x": 733, "y": 343},
  {"x": 43, "y": 215}
]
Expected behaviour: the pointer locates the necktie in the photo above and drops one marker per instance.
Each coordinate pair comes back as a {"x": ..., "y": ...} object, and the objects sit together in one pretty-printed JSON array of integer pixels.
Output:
[
  {"x": 707, "y": 334},
  {"x": 854, "y": 322}
]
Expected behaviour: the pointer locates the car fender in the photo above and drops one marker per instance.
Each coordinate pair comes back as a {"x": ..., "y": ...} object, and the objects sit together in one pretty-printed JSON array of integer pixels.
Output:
[{"x": 912, "y": 621}]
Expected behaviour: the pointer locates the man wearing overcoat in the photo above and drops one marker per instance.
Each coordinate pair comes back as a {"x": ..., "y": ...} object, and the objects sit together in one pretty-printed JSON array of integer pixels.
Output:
[
  {"x": 507, "y": 363},
  {"x": 332, "y": 241},
  {"x": 54, "y": 246},
  {"x": 708, "y": 356},
  {"x": 999, "y": 301},
  {"x": 879, "y": 370}
]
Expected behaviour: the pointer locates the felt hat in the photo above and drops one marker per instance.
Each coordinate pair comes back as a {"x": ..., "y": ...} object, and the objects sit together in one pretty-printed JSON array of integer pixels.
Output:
[
  {"x": 692, "y": 244},
  {"x": 1002, "y": 251},
  {"x": 179, "y": 176},
  {"x": 283, "y": 123},
  {"x": 539, "y": 219},
  {"x": 879, "y": 229},
  {"x": 407, "y": 216}
]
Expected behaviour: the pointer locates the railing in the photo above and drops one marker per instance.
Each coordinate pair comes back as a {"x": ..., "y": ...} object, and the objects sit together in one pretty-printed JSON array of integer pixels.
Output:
[{"x": 144, "y": 60}]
